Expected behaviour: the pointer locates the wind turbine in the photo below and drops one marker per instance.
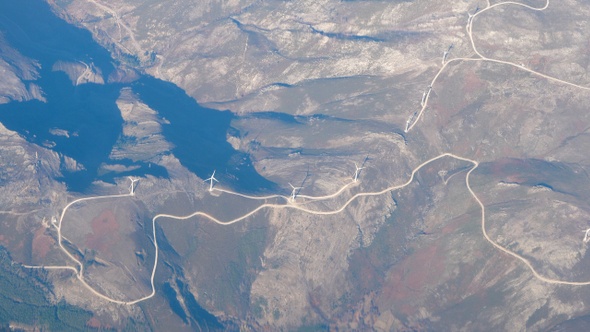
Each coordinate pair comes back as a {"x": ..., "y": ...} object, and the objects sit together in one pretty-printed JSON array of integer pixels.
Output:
[
  {"x": 211, "y": 179},
  {"x": 357, "y": 172},
  {"x": 132, "y": 186},
  {"x": 294, "y": 192},
  {"x": 587, "y": 235},
  {"x": 446, "y": 53}
]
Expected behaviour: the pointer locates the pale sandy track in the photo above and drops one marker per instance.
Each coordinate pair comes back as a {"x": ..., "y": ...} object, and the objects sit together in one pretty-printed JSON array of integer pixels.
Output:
[
  {"x": 481, "y": 57},
  {"x": 78, "y": 270}
]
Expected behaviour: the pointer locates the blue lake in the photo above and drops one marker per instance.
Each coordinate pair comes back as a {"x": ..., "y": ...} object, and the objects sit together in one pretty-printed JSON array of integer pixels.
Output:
[{"x": 197, "y": 133}]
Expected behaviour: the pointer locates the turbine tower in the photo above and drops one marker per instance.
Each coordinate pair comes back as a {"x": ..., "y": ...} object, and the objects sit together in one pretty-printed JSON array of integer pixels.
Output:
[
  {"x": 211, "y": 179},
  {"x": 294, "y": 192},
  {"x": 132, "y": 186},
  {"x": 357, "y": 172}
]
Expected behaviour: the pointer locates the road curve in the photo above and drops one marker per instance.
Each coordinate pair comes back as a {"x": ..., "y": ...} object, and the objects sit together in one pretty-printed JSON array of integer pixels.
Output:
[{"x": 79, "y": 268}]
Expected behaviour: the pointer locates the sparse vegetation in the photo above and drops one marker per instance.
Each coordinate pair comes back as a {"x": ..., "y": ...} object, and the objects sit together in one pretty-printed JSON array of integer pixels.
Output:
[
  {"x": 259, "y": 307},
  {"x": 23, "y": 300}
]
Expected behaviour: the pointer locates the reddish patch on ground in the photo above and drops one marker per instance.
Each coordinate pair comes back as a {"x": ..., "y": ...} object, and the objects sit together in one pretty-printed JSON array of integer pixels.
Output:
[
  {"x": 510, "y": 170},
  {"x": 514, "y": 178},
  {"x": 452, "y": 225},
  {"x": 96, "y": 324},
  {"x": 472, "y": 83},
  {"x": 509, "y": 151},
  {"x": 506, "y": 165},
  {"x": 443, "y": 113},
  {"x": 488, "y": 48},
  {"x": 410, "y": 279},
  {"x": 41, "y": 243},
  {"x": 93, "y": 323},
  {"x": 538, "y": 62},
  {"x": 104, "y": 233}
]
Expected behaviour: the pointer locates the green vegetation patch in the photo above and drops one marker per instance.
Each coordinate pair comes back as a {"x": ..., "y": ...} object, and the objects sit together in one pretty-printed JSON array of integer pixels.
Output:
[
  {"x": 259, "y": 306},
  {"x": 23, "y": 301}
]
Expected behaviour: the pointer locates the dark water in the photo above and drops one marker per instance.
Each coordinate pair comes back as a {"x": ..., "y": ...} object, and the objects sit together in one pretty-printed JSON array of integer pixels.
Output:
[
  {"x": 198, "y": 315},
  {"x": 89, "y": 111},
  {"x": 175, "y": 305},
  {"x": 199, "y": 135},
  {"x": 206, "y": 321}
]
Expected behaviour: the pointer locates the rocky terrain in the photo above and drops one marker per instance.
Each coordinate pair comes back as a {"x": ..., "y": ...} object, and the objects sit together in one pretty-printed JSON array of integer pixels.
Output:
[
  {"x": 315, "y": 87},
  {"x": 18, "y": 76}
]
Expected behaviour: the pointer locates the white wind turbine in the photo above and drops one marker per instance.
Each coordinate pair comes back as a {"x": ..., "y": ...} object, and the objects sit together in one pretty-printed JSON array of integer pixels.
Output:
[
  {"x": 357, "y": 172},
  {"x": 132, "y": 186},
  {"x": 211, "y": 179},
  {"x": 294, "y": 192}
]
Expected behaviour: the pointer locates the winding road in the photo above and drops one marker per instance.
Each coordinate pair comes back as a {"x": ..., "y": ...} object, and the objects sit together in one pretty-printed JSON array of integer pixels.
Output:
[
  {"x": 78, "y": 269},
  {"x": 84, "y": 74}
]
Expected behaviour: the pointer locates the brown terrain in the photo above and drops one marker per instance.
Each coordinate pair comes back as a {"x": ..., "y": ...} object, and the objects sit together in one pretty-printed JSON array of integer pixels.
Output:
[
  {"x": 105, "y": 234},
  {"x": 314, "y": 87}
]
